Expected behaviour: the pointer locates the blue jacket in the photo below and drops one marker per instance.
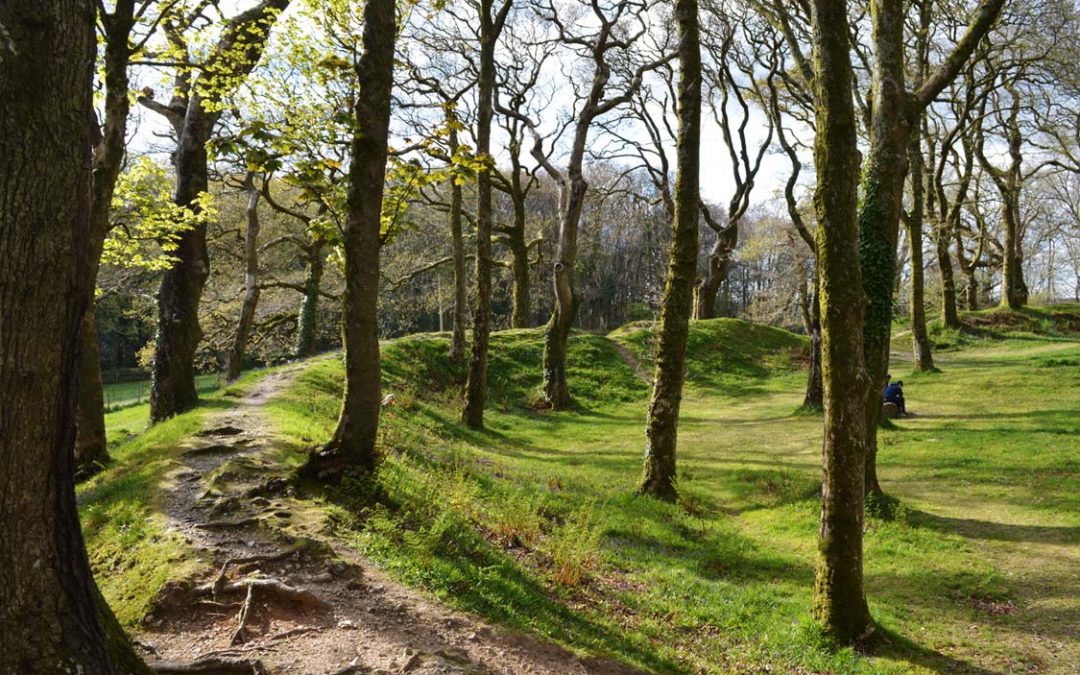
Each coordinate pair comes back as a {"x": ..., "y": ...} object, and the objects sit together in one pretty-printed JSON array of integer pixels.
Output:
[{"x": 894, "y": 394}]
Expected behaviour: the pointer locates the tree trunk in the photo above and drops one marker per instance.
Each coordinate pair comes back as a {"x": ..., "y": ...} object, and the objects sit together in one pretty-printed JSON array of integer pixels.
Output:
[
  {"x": 719, "y": 263},
  {"x": 178, "y": 335},
  {"x": 91, "y": 444},
  {"x": 923, "y": 357},
  {"x": 1014, "y": 290},
  {"x": 353, "y": 449},
  {"x": 52, "y": 618},
  {"x": 457, "y": 244},
  {"x": 251, "y": 282},
  {"x": 91, "y": 447},
  {"x": 307, "y": 318},
  {"x": 556, "y": 388},
  {"x": 519, "y": 251},
  {"x": 950, "y": 316},
  {"x": 661, "y": 427},
  {"x": 178, "y": 332},
  {"x": 814, "y": 398},
  {"x": 839, "y": 601},
  {"x": 476, "y": 385}
]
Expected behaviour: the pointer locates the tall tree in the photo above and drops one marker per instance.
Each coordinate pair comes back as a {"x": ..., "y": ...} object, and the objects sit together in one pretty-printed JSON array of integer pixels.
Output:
[
  {"x": 894, "y": 112},
  {"x": 609, "y": 37},
  {"x": 91, "y": 448},
  {"x": 194, "y": 111},
  {"x": 252, "y": 290},
  {"x": 839, "y": 601},
  {"x": 52, "y": 617},
  {"x": 353, "y": 449},
  {"x": 661, "y": 426},
  {"x": 491, "y": 27}
]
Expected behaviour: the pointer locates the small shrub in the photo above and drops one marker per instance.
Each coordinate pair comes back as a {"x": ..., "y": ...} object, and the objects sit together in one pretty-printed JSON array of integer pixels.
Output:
[{"x": 574, "y": 549}]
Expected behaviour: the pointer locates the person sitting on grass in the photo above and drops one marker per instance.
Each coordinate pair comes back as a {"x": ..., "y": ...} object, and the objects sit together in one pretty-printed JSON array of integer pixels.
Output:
[{"x": 894, "y": 393}]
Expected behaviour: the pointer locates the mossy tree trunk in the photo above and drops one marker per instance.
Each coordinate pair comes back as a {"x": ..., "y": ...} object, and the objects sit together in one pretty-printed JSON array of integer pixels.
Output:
[
  {"x": 353, "y": 449},
  {"x": 895, "y": 112},
  {"x": 813, "y": 399},
  {"x": 661, "y": 427},
  {"x": 91, "y": 447},
  {"x": 307, "y": 319},
  {"x": 839, "y": 601},
  {"x": 476, "y": 385},
  {"x": 52, "y": 618},
  {"x": 194, "y": 112}
]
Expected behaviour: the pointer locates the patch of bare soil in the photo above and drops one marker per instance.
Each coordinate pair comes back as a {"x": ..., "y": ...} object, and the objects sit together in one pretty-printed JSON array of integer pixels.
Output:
[{"x": 284, "y": 599}]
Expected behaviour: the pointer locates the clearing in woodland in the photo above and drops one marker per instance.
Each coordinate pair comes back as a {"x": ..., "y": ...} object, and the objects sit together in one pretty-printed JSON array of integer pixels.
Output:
[{"x": 523, "y": 548}]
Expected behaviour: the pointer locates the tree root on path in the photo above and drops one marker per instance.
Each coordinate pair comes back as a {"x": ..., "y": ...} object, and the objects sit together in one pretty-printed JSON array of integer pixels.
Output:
[
  {"x": 219, "y": 582},
  {"x": 241, "y": 619},
  {"x": 227, "y": 524},
  {"x": 212, "y": 666}
]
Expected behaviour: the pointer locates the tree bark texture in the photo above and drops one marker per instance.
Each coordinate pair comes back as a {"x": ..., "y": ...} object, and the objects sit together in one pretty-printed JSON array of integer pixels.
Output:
[
  {"x": 557, "y": 335},
  {"x": 251, "y": 282},
  {"x": 91, "y": 446},
  {"x": 457, "y": 245},
  {"x": 51, "y": 616},
  {"x": 661, "y": 427},
  {"x": 718, "y": 263},
  {"x": 353, "y": 448},
  {"x": 178, "y": 332},
  {"x": 923, "y": 357},
  {"x": 476, "y": 385},
  {"x": 307, "y": 319},
  {"x": 814, "y": 397},
  {"x": 839, "y": 602}
]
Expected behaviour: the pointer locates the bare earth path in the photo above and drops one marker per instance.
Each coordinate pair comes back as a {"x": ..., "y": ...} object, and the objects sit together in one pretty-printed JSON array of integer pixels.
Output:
[{"x": 284, "y": 599}]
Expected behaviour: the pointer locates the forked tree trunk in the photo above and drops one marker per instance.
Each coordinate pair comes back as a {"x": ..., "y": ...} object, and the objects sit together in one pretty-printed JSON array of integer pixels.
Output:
[
  {"x": 307, "y": 318},
  {"x": 661, "y": 427},
  {"x": 839, "y": 601},
  {"x": 251, "y": 282},
  {"x": 178, "y": 335},
  {"x": 353, "y": 448},
  {"x": 178, "y": 331},
  {"x": 719, "y": 263},
  {"x": 557, "y": 335},
  {"x": 52, "y": 618}
]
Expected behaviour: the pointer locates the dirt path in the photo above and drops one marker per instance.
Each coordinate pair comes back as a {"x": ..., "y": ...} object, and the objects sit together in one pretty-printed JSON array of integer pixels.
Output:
[{"x": 286, "y": 599}]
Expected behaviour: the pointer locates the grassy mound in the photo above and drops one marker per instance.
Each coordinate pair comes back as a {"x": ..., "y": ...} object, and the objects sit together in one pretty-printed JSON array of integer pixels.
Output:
[
  {"x": 998, "y": 324},
  {"x": 725, "y": 354},
  {"x": 419, "y": 365}
]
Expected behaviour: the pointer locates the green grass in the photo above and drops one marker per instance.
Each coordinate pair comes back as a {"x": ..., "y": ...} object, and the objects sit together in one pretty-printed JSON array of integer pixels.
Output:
[
  {"x": 120, "y": 395},
  {"x": 132, "y": 551},
  {"x": 535, "y": 523}
]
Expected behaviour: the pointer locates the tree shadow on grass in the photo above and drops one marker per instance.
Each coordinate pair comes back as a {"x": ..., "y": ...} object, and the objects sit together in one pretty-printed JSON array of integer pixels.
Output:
[
  {"x": 889, "y": 644},
  {"x": 973, "y": 528}
]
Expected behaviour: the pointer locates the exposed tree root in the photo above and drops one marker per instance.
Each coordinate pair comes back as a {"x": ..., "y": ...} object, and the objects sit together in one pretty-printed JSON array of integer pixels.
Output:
[
  {"x": 242, "y": 618},
  {"x": 219, "y": 582},
  {"x": 227, "y": 524},
  {"x": 212, "y": 666}
]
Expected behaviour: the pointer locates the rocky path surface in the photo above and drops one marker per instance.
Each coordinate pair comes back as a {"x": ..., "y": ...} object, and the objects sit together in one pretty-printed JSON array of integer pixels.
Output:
[{"x": 285, "y": 599}]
